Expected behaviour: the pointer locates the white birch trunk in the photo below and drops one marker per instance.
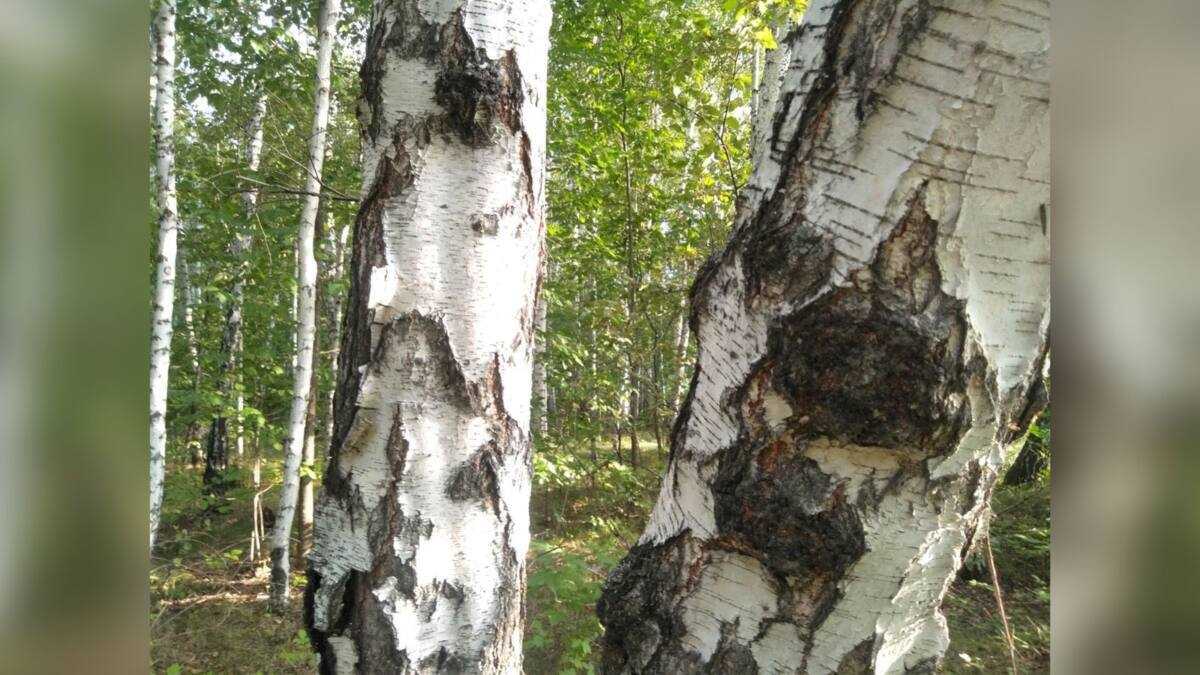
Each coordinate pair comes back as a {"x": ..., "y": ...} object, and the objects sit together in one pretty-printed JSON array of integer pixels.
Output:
[
  {"x": 306, "y": 309},
  {"x": 540, "y": 390},
  {"x": 254, "y": 134},
  {"x": 168, "y": 233},
  {"x": 422, "y": 523},
  {"x": 190, "y": 297},
  {"x": 682, "y": 333},
  {"x": 870, "y": 342},
  {"x": 775, "y": 63},
  {"x": 307, "y": 461},
  {"x": 340, "y": 240},
  {"x": 232, "y": 337}
]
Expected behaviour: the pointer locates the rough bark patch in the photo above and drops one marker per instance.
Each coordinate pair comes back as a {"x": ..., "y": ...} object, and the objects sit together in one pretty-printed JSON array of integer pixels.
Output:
[
  {"x": 878, "y": 362},
  {"x": 477, "y": 478},
  {"x": 474, "y": 90},
  {"x": 788, "y": 511},
  {"x": 637, "y": 608}
]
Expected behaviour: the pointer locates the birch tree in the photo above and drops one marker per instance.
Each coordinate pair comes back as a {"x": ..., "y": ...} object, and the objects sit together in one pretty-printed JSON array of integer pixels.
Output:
[
  {"x": 871, "y": 340},
  {"x": 327, "y": 20},
  {"x": 541, "y": 392},
  {"x": 168, "y": 235},
  {"x": 232, "y": 339},
  {"x": 422, "y": 524}
]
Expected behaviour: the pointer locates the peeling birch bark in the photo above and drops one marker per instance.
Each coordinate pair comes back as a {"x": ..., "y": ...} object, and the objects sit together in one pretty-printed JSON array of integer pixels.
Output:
[
  {"x": 168, "y": 236},
  {"x": 327, "y": 20},
  {"x": 870, "y": 341},
  {"x": 422, "y": 523}
]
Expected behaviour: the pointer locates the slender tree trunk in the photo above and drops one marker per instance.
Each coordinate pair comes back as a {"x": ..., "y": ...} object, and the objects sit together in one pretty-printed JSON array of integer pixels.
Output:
[
  {"x": 418, "y": 563},
  {"x": 168, "y": 233},
  {"x": 656, "y": 412},
  {"x": 870, "y": 341},
  {"x": 191, "y": 436},
  {"x": 681, "y": 346},
  {"x": 258, "y": 531},
  {"x": 631, "y": 412},
  {"x": 217, "y": 456},
  {"x": 541, "y": 396},
  {"x": 306, "y": 312},
  {"x": 308, "y": 462},
  {"x": 309, "y": 457},
  {"x": 254, "y": 134},
  {"x": 340, "y": 242}
]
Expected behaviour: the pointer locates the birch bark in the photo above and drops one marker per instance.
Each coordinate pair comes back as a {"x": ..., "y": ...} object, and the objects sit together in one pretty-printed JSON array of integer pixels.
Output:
[
  {"x": 870, "y": 341},
  {"x": 541, "y": 393},
  {"x": 327, "y": 20},
  {"x": 189, "y": 295},
  {"x": 422, "y": 523},
  {"x": 682, "y": 334},
  {"x": 217, "y": 457},
  {"x": 168, "y": 234}
]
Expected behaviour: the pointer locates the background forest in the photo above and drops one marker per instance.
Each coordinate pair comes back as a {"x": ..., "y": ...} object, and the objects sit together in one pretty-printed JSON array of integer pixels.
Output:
[{"x": 649, "y": 119}]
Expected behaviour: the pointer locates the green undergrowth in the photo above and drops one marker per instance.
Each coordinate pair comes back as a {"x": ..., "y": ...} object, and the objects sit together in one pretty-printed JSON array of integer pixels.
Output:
[
  {"x": 585, "y": 516},
  {"x": 209, "y": 602},
  {"x": 1020, "y": 532}
]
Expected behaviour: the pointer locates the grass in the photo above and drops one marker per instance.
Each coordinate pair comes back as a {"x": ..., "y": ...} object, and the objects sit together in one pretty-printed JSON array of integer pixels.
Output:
[
  {"x": 1021, "y": 546},
  {"x": 209, "y": 603}
]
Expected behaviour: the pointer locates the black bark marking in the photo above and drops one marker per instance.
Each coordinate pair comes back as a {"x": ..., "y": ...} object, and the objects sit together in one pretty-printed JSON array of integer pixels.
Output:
[
  {"x": 486, "y": 223},
  {"x": 443, "y": 661},
  {"x": 864, "y": 67},
  {"x": 804, "y": 251},
  {"x": 477, "y": 478},
  {"x": 878, "y": 366},
  {"x": 731, "y": 657},
  {"x": 788, "y": 511},
  {"x": 858, "y": 660},
  {"x": 642, "y": 626},
  {"x": 474, "y": 90}
]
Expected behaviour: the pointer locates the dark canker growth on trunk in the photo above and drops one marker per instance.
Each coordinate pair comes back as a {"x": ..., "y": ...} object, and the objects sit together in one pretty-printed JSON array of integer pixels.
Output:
[{"x": 870, "y": 342}]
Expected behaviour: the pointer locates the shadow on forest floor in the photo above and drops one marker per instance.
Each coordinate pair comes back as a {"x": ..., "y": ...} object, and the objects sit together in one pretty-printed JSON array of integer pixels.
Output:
[{"x": 209, "y": 604}]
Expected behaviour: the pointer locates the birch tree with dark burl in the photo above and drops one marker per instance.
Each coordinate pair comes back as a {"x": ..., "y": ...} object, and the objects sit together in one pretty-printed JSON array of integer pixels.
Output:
[
  {"x": 422, "y": 524},
  {"x": 871, "y": 341}
]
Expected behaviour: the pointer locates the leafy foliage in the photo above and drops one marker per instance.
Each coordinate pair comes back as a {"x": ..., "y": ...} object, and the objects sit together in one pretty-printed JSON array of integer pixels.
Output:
[{"x": 586, "y": 515}]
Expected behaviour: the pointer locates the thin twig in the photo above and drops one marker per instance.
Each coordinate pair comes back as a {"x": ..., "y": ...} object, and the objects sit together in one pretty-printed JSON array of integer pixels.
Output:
[{"x": 1008, "y": 636}]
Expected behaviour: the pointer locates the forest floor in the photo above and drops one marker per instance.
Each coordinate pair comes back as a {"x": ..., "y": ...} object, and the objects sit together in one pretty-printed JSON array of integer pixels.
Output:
[{"x": 209, "y": 603}]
